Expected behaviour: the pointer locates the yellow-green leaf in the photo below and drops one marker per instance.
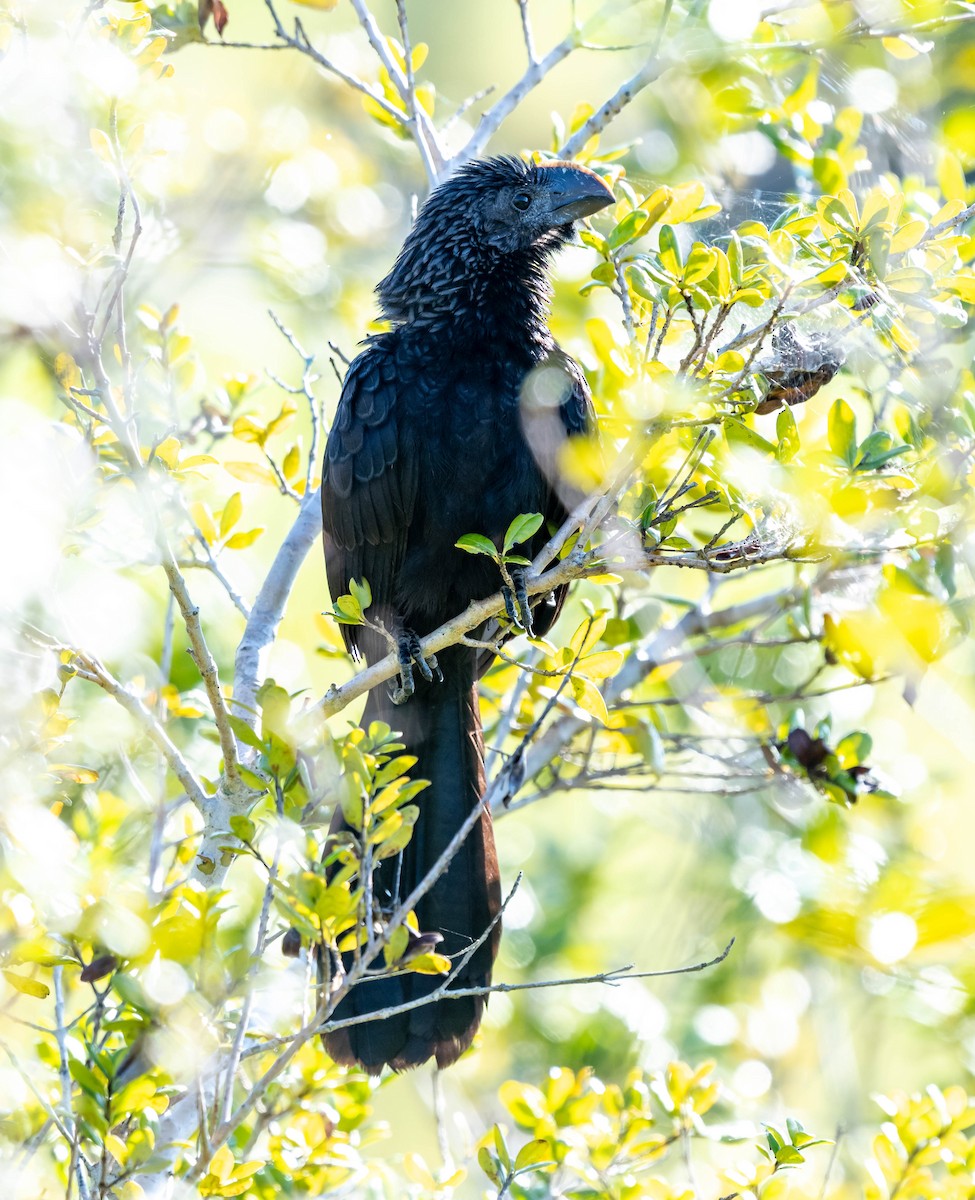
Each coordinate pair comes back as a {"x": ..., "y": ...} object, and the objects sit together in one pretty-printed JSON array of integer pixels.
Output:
[
  {"x": 27, "y": 987},
  {"x": 600, "y": 665},
  {"x": 291, "y": 464},
  {"x": 588, "y": 697},
  {"x": 232, "y": 512},
  {"x": 243, "y": 539},
  {"x": 248, "y": 472}
]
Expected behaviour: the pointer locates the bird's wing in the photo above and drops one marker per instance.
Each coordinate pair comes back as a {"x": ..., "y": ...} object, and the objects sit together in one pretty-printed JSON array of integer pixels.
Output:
[{"x": 368, "y": 485}]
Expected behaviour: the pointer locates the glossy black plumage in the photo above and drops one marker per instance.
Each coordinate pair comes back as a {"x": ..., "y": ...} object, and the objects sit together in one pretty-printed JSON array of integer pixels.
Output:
[{"x": 450, "y": 423}]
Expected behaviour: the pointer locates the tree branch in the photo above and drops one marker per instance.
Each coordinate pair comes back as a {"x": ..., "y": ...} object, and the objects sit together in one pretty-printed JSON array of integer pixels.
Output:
[
  {"x": 492, "y": 120},
  {"x": 269, "y": 604},
  {"x": 424, "y": 133},
  {"x": 445, "y": 992},
  {"x": 575, "y": 566},
  {"x": 651, "y": 70},
  {"x": 526, "y": 31},
  {"x": 299, "y": 41},
  {"x": 205, "y": 664},
  {"x": 640, "y": 662}
]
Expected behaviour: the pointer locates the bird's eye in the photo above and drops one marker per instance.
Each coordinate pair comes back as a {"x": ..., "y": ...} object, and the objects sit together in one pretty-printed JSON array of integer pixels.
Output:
[{"x": 521, "y": 201}]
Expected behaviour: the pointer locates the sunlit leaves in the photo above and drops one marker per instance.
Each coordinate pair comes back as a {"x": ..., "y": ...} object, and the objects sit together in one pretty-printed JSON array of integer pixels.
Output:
[
  {"x": 350, "y": 609},
  {"x": 394, "y": 99},
  {"x": 869, "y": 477},
  {"x": 842, "y": 431},
  {"x": 595, "y": 1131},
  {"x": 225, "y": 1177},
  {"x": 521, "y": 529},
  {"x": 27, "y": 986}
]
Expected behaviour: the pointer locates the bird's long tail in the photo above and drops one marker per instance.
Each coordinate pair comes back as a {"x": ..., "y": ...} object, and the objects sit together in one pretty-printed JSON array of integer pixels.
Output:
[{"x": 441, "y": 726}]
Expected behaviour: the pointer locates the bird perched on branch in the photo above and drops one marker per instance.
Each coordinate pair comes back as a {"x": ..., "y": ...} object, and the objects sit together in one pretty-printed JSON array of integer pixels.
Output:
[{"x": 450, "y": 423}]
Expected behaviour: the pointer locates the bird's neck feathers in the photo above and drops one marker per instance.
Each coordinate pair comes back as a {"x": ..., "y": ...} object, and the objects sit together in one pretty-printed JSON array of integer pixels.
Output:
[{"x": 446, "y": 279}]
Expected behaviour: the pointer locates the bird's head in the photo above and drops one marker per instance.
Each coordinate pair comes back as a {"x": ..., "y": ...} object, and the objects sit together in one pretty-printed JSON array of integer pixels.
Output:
[
  {"x": 490, "y": 212},
  {"x": 515, "y": 205}
]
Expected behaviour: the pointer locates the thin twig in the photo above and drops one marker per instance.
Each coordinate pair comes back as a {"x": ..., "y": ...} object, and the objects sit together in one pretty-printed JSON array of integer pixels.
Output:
[
  {"x": 78, "y": 1166},
  {"x": 52, "y": 1116},
  {"x": 200, "y": 653},
  {"x": 256, "y": 959},
  {"x": 424, "y": 134},
  {"x": 89, "y": 668},
  {"x": 526, "y": 32},
  {"x": 299, "y": 41},
  {"x": 651, "y": 70},
  {"x": 492, "y": 120},
  {"x": 611, "y": 978}
]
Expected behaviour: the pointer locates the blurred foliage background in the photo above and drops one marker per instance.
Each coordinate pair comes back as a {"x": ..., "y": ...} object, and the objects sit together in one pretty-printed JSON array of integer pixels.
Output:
[{"x": 264, "y": 182}]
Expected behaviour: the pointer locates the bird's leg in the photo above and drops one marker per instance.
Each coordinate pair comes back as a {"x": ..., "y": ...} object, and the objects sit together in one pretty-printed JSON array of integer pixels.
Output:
[
  {"x": 410, "y": 654},
  {"x": 516, "y": 600}
]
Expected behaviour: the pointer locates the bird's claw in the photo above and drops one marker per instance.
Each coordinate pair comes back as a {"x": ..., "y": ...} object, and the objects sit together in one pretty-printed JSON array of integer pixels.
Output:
[
  {"x": 410, "y": 654},
  {"x": 516, "y": 601}
]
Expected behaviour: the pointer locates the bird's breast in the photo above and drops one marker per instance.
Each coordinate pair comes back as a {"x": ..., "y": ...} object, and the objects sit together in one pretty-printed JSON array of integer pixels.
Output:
[{"x": 476, "y": 473}]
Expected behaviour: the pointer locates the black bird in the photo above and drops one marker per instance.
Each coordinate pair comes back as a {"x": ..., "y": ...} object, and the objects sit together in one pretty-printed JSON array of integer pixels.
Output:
[{"x": 450, "y": 423}]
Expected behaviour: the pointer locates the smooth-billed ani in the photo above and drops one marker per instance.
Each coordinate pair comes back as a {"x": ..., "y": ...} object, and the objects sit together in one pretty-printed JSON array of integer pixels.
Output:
[{"x": 450, "y": 423}]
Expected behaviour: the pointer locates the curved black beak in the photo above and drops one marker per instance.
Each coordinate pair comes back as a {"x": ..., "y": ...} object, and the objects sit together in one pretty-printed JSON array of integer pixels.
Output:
[{"x": 575, "y": 191}]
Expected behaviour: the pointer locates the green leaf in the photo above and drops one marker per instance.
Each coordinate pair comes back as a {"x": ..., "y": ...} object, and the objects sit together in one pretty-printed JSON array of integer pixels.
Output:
[
  {"x": 788, "y": 435},
  {"x": 788, "y": 1156},
  {"x": 735, "y": 259},
  {"x": 523, "y": 527},
  {"x": 669, "y": 252},
  {"x": 843, "y": 432},
  {"x": 854, "y": 749},
  {"x": 535, "y": 1153},
  {"x": 27, "y": 987},
  {"x": 249, "y": 472},
  {"x": 361, "y": 592},
  {"x": 431, "y": 963},
  {"x": 347, "y": 611},
  {"x": 243, "y": 827},
  {"x": 351, "y": 802},
  {"x": 477, "y": 543},
  {"x": 738, "y": 431},
  {"x": 240, "y": 541},
  {"x": 502, "y": 1148},
  {"x": 876, "y": 450},
  {"x": 394, "y": 833},
  {"x": 489, "y": 1165},
  {"x": 232, "y": 512},
  {"x": 252, "y": 777},
  {"x": 86, "y": 1079},
  {"x": 700, "y": 263},
  {"x": 244, "y": 733},
  {"x": 395, "y": 948},
  {"x": 628, "y": 229}
]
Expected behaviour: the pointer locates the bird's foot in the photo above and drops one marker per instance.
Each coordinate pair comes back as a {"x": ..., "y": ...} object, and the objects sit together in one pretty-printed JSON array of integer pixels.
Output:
[
  {"x": 516, "y": 601},
  {"x": 410, "y": 654}
]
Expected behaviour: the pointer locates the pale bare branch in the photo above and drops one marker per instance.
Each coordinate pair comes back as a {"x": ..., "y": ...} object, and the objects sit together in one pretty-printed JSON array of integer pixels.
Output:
[
  {"x": 612, "y": 978},
  {"x": 651, "y": 70},
  {"x": 269, "y": 604},
  {"x": 424, "y": 134},
  {"x": 492, "y": 120}
]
